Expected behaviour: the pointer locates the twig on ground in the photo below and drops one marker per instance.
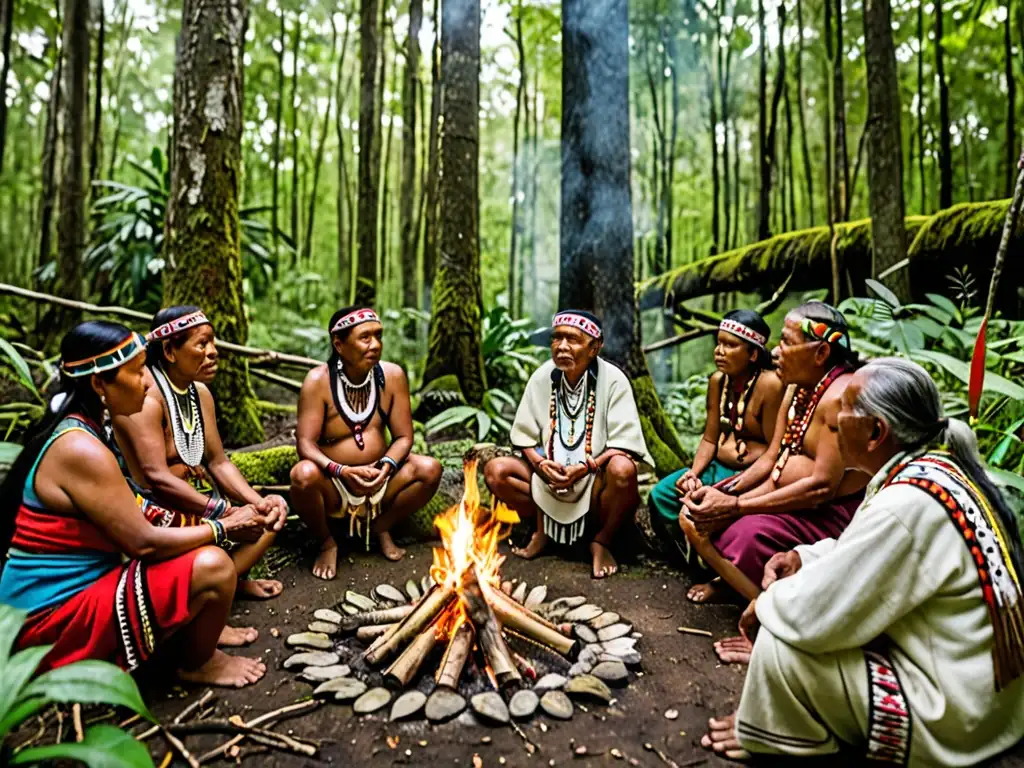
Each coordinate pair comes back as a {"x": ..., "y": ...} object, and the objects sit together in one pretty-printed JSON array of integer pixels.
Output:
[
  {"x": 33, "y": 739},
  {"x": 110, "y": 714},
  {"x": 290, "y": 710},
  {"x": 693, "y": 631},
  {"x": 235, "y": 726},
  {"x": 76, "y": 720},
  {"x": 130, "y": 721},
  {"x": 167, "y": 760},
  {"x": 60, "y": 726},
  {"x": 175, "y": 742},
  {"x": 530, "y": 746},
  {"x": 664, "y": 758},
  {"x": 198, "y": 704}
]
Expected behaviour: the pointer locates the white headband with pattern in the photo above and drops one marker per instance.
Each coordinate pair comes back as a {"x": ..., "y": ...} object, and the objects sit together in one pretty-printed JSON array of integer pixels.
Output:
[
  {"x": 355, "y": 318},
  {"x": 744, "y": 332},
  {"x": 585, "y": 324},
  {"x": 178, "y": 325}
]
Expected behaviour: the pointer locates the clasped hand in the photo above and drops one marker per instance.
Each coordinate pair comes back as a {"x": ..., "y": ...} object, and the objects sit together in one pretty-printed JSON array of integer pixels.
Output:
[
  {"x": 562, "y": 478},
  {"x": 245, "y": 523},
  {"x": 367, "y": 479},
  {"x": 710, "y": 509}
]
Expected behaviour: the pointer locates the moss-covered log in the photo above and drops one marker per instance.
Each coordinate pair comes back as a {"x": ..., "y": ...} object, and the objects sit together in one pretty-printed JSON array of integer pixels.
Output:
[
  {"x": 965, "y": 235},
  {"x": 270, "y": 466},
  {"x": 202, "y": 231}
]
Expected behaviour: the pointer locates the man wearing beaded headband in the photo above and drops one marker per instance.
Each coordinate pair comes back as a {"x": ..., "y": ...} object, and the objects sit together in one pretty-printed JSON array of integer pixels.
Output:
[
  {"x": 348, "y": 470},
  {"x": 173, "y": 451},
  {"x": 799, "y": 491},
  {"x": 579, "y": 432}
]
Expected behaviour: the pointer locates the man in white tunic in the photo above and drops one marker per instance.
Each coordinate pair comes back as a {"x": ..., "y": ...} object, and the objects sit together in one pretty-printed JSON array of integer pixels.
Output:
[
  {"x": 579, "y": 432},
  {"x": 904, "y": 637}
]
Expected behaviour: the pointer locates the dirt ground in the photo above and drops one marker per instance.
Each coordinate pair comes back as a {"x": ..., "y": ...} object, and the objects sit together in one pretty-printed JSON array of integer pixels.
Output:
[{"x": 679, "y": 672}]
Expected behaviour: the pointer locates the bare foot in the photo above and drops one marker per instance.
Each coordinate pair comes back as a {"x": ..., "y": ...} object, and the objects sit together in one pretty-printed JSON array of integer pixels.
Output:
[
  {"x": 721, "y": 739},
  {"x": 538, "y": 541},
  {"x": 236, "y": 637},
  {"x": 734, "y": 650},
  {"x": 326, "y": 565},
  {"x": 712, "y": 592},
  {"x": 604, "y": 563},
  {"x": 388, "y": 547},
  {"x": 258, "y": 589},
  {"x": 225, "y": 670}
]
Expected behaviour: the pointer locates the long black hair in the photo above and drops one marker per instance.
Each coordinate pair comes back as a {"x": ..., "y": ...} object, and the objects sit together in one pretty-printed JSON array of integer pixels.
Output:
[
  {"x": 155, "y": 349},
  {"x": 76, "y": 396},
  {"x": 755, "y": 322}
]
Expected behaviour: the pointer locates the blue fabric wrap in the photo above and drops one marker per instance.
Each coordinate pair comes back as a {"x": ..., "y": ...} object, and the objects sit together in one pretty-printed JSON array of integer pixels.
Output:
[{"x": 36, "y": 582}]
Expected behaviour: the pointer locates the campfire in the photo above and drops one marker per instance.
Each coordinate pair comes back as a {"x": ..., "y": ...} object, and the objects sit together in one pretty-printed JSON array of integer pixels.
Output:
[{"x": 508, "y": 649}]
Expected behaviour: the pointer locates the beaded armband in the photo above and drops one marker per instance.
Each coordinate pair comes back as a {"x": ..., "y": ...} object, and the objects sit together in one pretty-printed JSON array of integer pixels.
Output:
[
  {"x": 220, "y": 537},
  {"x": 335, "y": 469},
  {"x": 215, "y": 509},
  {"x": 388, "y": 460}
]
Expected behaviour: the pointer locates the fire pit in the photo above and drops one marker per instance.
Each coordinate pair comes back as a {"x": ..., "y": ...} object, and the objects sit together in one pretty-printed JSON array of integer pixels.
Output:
[{"x": 462, "y": 633}]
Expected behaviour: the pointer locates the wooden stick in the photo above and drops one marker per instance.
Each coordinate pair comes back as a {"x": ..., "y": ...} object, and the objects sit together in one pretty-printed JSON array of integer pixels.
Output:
[
  {"x": 373, "y": 631},
  {"x": 294, "y": 744},
  {"x": 273, "y": 378},
  {"x": 76, "y": 719},
  {"x": 697, "y": 333},
  {"x": 425, "y": 611},
  {"x": 197, "y": 704},
  {"x": 692, "y": 631},
  {"x": 291, "y": 709},
  {"x": 383, "y": 616},
  {"x": 529, "y": 624},
  {"x": 405, "y": 666},
  {"x": 488, "y": 630},
  {"x": 450, "y": 669},
  {"x": 175, "y": 742}
]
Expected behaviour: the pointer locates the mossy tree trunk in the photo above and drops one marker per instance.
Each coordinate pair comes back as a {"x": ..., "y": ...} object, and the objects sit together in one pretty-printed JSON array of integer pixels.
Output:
[
  {"x": 202, "y": 232},
  {"x": 406, "y": 217},
  {"x": 596, "y": 249},
  {"x": 369, "y": 156},
  {"x": 455, "y": 322},
  {"x": 885, "y": 148}
]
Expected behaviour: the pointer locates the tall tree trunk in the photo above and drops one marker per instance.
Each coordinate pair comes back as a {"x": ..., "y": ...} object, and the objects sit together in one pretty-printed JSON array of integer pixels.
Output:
[
  {"x": 712, "y": 135},
  {"x": 71, "y": 221},
  {"x": 455, "y": 322},
  {"x": 406, "y": 218},
  {"x": 789, "y": 157},
  {"x": 764, "y": 163},
  {"x": 275, "y": 205},
  {"x": 801, "y": 100},
  {"x": 318, "y": 158},
  {"x": 48, "y": 194},
  {"x": 532, "y": 195},
  {"x": 831, "y": 187},
  {"x": 346, "y": 222},
  {"x": 671, "y": 51},
  {"x": 735, "y": 186},
  {"x": 296, "y": 192},
  {"x": 431, "y": 190},
  {"x": 840, "y": 153},
  {"x": 965, "y": 143},
  {"x": 885, "y": 148},
  {"x": 7, "y": 19},
  {"x": 1011, "y": 103},
  {"x": 513, "y": 247},
  {"x": 659, "y": 154},
  {"x": 95, "y": 146},
  {"x": 369, "y": 155},
  {"x": 115, "y": 98},
  {"x": 920, "y": 109},
  {"x": 384, "y": 242},
  {"x": 723, "y": 93},
  {"x": 202, "y": 237},
  {"x": 768, "y": 161},
  {"x": 945, "y": 142}
]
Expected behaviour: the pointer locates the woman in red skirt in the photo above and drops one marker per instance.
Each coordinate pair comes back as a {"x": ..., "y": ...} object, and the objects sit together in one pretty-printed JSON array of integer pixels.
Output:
[{"x": 96, "y": 579}]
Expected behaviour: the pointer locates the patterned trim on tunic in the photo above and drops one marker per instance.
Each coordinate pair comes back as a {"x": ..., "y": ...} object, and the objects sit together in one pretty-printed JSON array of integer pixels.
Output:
[
  {"x": 133, "y": 608},
  {"x": 889, "y": 721}
]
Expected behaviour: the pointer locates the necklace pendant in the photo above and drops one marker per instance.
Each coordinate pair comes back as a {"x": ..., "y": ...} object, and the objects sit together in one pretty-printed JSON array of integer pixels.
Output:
[{"x": 357, "y": 432}]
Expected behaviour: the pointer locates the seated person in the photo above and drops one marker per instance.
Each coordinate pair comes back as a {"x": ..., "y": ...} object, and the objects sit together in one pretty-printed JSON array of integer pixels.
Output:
[
  {"x": 744, "y": 395},
  {"x": 173, "y": 452},
  {"x": 579, "y": 431},
  {"x": 348, "y": 469},
  {"x": 799, "y": 491},
  {"x": 97, "y": 580},
  {"x": 904, "y": 637}
]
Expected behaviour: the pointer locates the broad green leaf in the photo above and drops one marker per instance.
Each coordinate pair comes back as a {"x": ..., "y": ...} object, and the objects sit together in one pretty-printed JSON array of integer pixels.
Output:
[
  {"x": 90, "y": 682},
  {"x": 483, "y": 423},
  {"x": 1003, "y": 477},
  {"x": 22, "y": 710},
  {"x": 1009, "y": 437},
  {"x": 11, "y": 620},
  {"x": 994, "y": 383},
  {"x": 104, "y": 746},
  {"x": 15, "y": 672},
  {"x": 929, "y": 327},
  {"x": 945, "y": 304},
  {"x": 883, "y": 293},
  {"x": 938, "y": 314},
  {"x": 20, "y": 367},
  {"x": 8, "y": 453},
  {"x": 450, "y": 417}
]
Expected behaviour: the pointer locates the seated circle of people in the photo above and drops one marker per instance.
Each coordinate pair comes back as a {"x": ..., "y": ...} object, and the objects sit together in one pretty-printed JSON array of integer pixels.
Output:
[
  {"x": 578, "y": 429},
  {"x": 174, "y": 456},
  {"x": 798, "y": 491},
  {"x": 744, "y": 395},
  {"x": 349, "y": 476},
  {"x": 903, "y": 636},
  {"x": 96, "y": 578}
]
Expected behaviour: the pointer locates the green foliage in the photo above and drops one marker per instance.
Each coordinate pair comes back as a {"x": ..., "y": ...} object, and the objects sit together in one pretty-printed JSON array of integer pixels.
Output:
[
  {"x": 89, "y": 682},
  {"x": 18, "y": 414},
  {"x": 685, "y": 403},
  {"x": 510, "y": 357},
  {"x": 492, "y": 420}
]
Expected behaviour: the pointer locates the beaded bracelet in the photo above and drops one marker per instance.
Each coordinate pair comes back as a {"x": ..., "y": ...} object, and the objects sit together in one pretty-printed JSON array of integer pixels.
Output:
[
  {"x": 389, "y": 460},
  {"x": 334, "y": 468},
  {"x": 220, "y": 536},
  {"x": 215, "y": 509}
]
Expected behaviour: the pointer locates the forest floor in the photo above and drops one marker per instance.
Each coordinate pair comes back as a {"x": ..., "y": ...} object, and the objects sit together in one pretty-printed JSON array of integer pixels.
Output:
[{"x": 679, "y": 672}]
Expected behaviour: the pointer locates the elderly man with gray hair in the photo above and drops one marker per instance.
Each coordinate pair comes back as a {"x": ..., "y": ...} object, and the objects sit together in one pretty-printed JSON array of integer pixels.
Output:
[{"x": 904, "y": 637}]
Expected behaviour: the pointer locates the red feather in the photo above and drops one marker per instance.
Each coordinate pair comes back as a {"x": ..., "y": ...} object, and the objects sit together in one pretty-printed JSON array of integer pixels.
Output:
[{"x": 977, "y": 370}]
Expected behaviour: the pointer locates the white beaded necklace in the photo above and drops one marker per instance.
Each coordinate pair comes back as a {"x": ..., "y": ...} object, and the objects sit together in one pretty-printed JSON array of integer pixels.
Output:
[{"x": 187, "y": 430}]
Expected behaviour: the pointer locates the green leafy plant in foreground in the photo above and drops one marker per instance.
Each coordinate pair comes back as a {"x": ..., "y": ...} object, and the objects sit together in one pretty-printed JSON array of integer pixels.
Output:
[
  {"x": 16, "y": 415},
  {"x": 86, "y": 682}
]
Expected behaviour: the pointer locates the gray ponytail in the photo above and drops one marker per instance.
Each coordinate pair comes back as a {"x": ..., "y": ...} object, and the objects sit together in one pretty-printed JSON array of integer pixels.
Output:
[{"x": 902, "y": 394}]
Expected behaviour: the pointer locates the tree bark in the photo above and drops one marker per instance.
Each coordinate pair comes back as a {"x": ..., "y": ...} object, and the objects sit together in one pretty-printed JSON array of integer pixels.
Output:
[
  {"x": 369, "y": 156},
  {"x": 945, "y": 142},
  {"x": 885, "y": 148},
  {"x": 7, "y": 19},
  {"x": 344, "y": 196},
  {"x": 513, "y": 246},
  {"x": 406, "y": 217},
  {"x": 295, "y": 191},
  {"x": 920, "y": 107},
  {"x": 735, "y": 186},
  {"x": 712, "y": 135},
  {"x": 431, "y": 190},
  {"x": 95, "y": 146},
  {"x": 768, "y": 164},
  {"x": 764, "y": 164},
  {"x": 801, "y": 100},
  {"x": 275, "y": 226},
  {"x": 840, "y": 154},
  {"x": 384, "y": 241},
  {"x": 455, "y": 322},
  {"x": 48, "y": 193},
  {"x": 1011, "y": 103},
  {"x": 122, "y": 58},
  {"x": 71, "y": 221},
  {"x": 202, "y": 238}
]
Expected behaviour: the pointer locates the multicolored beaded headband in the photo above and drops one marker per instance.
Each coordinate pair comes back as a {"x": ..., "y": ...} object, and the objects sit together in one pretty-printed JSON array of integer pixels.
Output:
[
  {"x": 355, "y": 318},
  {"x": 585, "y": 324},
  {"x": 816, "y": 329},
  {"x": 178, "y": 325},
  {"x": 131, "y": 347},
  {"x": 744, "y": 332}
]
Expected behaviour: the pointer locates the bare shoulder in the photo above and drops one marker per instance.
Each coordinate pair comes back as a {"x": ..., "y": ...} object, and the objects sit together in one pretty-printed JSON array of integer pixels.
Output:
[
  {"x": 769, "y": 384},
  {"x": 835, "y": 392},
  {"x": 715, "y": 381},
  {"x": 393, "y": 372},
  {"x": 317, "y": 378},
  {"x": 80, "y": 450},
  {"x": 205, "y": 395}
]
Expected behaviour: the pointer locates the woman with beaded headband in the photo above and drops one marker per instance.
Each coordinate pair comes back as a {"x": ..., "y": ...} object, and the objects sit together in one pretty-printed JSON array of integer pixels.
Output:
[
  {"x": 350, "y": 480},
  {"x": 744, "y": 395},
  {"x": 799, "y": 491},
  {"x": 173, "y": 451},
  {"x": 96, "y": 579},
  {"x": 579, "y": 432}
]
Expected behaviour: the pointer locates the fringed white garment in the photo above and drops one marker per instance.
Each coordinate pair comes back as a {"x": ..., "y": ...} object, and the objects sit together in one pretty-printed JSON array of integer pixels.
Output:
[{"x": 616, "y": 425}]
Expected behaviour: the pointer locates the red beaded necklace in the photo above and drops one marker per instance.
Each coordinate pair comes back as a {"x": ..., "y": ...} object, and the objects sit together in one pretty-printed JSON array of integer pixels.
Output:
[{"x": 799, "y": 419}]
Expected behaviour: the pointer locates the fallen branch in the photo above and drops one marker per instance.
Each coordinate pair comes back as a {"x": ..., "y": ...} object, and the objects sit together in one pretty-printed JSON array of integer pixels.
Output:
[
  {"x": 264, "y": 356},
  {"x": 197, "y": 704},
  {"x": 692, "y": 631},
  {"x": 297, "y": 745},
  {"x": 291, "y": 709},
  {"x": 76, "y": 720},
  {"x": 680, "y": 339},
  {"x": 273, "y": 378},
  {"x": 180, "y": 748}
]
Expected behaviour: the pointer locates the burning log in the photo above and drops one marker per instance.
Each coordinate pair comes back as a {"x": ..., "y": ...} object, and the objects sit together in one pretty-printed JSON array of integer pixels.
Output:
[
  {"x": 424, "y": 613},
  {"x": 383, "y": 616},
  {"x": 455, "y": 656},
  {"x": 515, "y": 616},
  {"x": 489, "y": 637},
  {"x": 407, "y": 665},
  {"x": 373, "y": 631}
]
